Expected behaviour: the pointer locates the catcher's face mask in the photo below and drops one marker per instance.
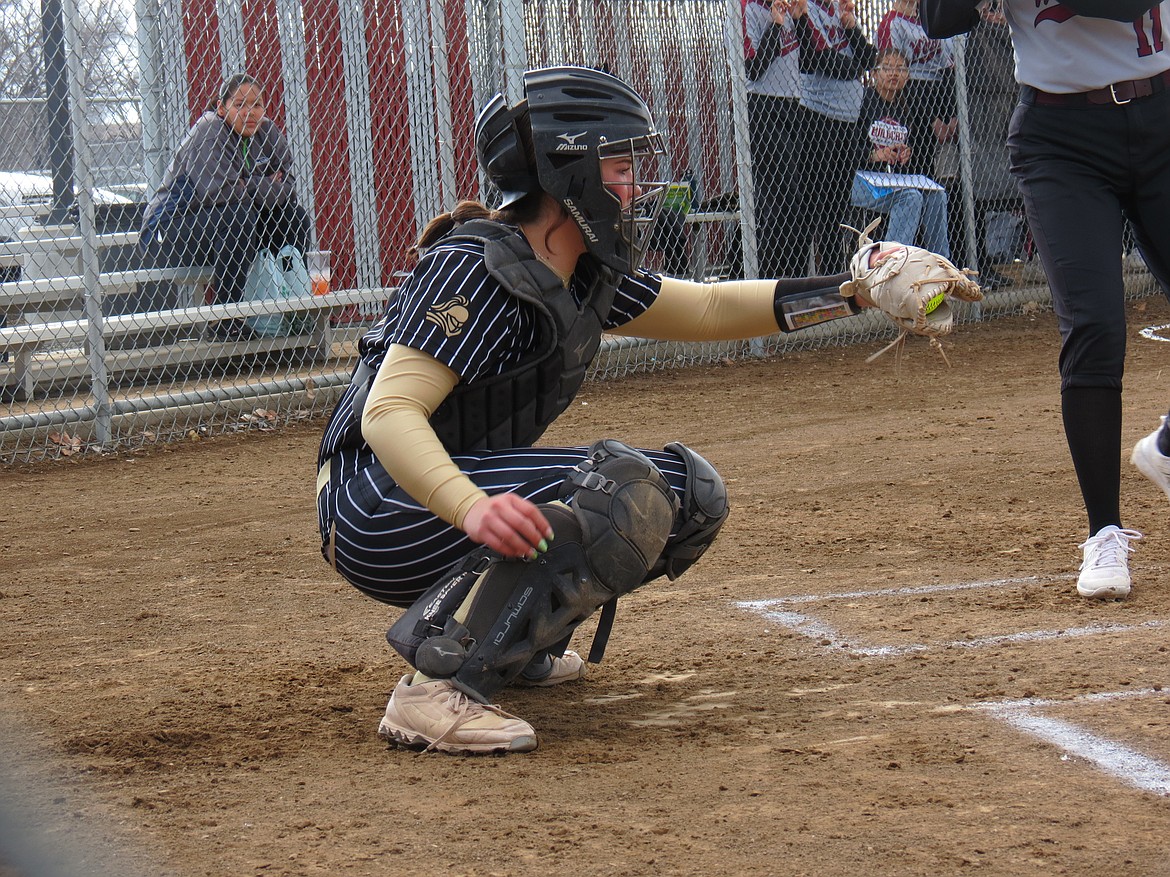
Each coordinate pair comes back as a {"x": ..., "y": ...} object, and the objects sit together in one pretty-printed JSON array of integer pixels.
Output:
[
  {"x": 594, "y": 148},
  {"x": 629, "y": 173}
]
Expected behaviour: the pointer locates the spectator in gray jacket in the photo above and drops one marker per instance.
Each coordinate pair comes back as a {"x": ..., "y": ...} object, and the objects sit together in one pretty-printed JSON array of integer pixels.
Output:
[{"x": 227, "y": 194}]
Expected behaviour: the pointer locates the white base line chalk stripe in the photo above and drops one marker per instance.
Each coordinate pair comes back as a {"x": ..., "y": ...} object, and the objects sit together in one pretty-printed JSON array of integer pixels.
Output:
[
  {"x": 898, "y": 592},
  {"x": 1155, "y": 333},
  {"x": 830, "y": 638},
  {"x": 1126, "y": 764}
]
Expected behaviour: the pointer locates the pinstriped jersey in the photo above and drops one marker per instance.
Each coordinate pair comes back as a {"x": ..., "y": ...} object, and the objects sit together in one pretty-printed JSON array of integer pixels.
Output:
[
  {"x": 454, "y": 310},
  {"x": 1061, "y": 52},
  {"x": 928, "y": 58}
]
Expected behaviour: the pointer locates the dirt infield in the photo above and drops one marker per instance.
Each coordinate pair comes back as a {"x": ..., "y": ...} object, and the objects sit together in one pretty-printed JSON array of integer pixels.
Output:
[{"x": 187, "y": 689}]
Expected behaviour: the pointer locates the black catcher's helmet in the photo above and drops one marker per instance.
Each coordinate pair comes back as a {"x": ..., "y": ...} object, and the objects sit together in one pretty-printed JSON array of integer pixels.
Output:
[{"x": 577, "y": 116}]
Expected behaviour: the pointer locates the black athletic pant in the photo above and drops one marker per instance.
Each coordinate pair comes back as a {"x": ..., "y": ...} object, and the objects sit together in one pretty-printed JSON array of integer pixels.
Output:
[
  {"x": 830, "y": 151},
  {"x": 782, "y": 243},
  {"x": 392, "y": 548},
  {"x": 227, "y": 237},
  {"x": 1082, "y": 170}
]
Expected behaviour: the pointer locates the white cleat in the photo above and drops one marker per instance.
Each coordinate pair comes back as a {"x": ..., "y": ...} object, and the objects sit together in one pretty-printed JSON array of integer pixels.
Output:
[
  {"x": 1151, "y": 462},
  {"x": 1105, "y": 569},
  {"x": 569, "y": 667}
]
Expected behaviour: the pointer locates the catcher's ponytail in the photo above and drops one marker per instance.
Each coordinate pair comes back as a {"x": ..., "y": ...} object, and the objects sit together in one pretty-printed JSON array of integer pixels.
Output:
[
  {"x": 524, "y": 210},
  {"x": 441, "y": 225}
]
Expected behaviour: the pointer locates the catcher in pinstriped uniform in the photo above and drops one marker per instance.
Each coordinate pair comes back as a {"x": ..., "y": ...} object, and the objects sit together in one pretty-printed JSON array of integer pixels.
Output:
[{"x": 432, "y": 493}]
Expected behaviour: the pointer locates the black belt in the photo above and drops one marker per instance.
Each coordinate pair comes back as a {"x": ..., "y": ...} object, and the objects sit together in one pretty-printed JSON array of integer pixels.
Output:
[{"x": 1117, "y": 93}]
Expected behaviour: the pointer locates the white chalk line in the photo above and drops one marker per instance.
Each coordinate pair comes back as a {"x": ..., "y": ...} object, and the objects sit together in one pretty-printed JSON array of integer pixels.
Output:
[
  {"x": 1091, "y": 697},
  {"x": 1128, "y": 765},
  {"x": 828, "y": 636},
  {"x": 1027, "y": 636},
  {"x": 1154, "y": 332},
  {"x": 1122, "y": 762},
  {"x": 898, "y": 592}
]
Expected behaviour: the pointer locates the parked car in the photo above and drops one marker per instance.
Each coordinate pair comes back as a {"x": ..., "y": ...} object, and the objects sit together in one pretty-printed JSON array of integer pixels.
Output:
[{"x": 25, "y": 198}]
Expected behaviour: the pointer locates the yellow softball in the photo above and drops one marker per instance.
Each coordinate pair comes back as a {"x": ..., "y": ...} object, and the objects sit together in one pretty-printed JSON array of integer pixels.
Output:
[{"x": 934, "y": 303}]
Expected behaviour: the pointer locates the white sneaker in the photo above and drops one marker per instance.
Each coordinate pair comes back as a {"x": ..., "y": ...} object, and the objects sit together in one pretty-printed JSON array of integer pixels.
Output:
[
  {"x": 569, "y": 667},
  {"x": 437, "y": 715},
  {"x": 1105, "y": 569},
  {"x": 1151, "y": 462}
]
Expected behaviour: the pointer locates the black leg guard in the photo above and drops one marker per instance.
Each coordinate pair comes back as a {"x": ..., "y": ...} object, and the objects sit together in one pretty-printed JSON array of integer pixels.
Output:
[
  {"x": 530, "y": 607},
  {"x": 704, "y": 510},
  {"x": 605, "y": 544},
  {"x": 620, "y": 499},
  {"x": 427, "y": 635}
]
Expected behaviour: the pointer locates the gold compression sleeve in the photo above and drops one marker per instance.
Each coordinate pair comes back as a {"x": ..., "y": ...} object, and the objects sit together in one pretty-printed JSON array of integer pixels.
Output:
[
  {"x": 409, "y": 386},
  {"x": 726, "y": 310}
]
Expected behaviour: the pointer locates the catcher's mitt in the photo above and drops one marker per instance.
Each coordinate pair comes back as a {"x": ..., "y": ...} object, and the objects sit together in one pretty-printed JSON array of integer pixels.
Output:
[{"x": 910, "y": 285}]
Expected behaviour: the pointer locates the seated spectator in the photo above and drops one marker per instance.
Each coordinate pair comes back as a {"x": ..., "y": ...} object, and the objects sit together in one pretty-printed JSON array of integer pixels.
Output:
[
  {"x": 930, "y": 90},
  {"x": 227, "y": 194},
  {"x": 912, "y": 201}
]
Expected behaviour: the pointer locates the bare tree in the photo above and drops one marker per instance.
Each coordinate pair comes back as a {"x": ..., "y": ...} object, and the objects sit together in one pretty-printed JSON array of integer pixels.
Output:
[
  {"x": 29, "y": 140},
  {"x": 107, "y": 60},
  {"x": 20, "y": 49}
]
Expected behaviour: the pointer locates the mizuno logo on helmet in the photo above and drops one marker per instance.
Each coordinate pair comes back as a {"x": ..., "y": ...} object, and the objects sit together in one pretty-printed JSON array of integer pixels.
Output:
[{"x": 570, "y": 144}]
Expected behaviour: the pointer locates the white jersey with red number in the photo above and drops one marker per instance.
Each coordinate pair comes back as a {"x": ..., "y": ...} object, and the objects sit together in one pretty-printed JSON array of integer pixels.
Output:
[
  {"x": 782, "y": 76},
  {"x": 1061, "y": 52},
  {"x": 928, "y": 59}
]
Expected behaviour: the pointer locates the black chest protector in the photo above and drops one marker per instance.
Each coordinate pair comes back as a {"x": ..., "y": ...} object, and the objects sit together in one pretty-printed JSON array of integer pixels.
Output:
[{"x": 513, "y": 409}]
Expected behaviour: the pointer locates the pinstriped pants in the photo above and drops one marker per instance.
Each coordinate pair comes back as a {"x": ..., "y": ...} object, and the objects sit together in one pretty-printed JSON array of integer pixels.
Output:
[{"x": 393, "y": 549}]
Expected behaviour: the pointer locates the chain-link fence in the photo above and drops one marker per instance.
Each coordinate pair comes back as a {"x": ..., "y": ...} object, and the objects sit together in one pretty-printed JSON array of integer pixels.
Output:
[{"x": 204, "y": 204}]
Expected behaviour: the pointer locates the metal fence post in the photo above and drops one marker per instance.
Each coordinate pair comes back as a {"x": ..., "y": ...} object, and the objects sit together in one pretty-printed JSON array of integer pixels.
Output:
[
  {"x": 57, "y": 91},
  {"x": 966, "y": 168},
  {"x": 150, "y": 84},
  {"x": 743, "y": 152},
  {"x": 90, "y": 269}
]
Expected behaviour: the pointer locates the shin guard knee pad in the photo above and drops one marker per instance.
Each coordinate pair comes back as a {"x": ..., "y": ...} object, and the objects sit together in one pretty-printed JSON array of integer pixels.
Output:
[
  {"x": 626, "y": 509},
  {"x": 427, "y": 634},
  {"x": 605, "y": 544},
  {"x": 704, "y": 509}
]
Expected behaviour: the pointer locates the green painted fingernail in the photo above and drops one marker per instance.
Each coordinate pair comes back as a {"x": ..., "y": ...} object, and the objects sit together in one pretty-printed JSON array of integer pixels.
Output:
[
  {"x": 532, "y": 555},
  {"x": 543, "y": 546}
]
